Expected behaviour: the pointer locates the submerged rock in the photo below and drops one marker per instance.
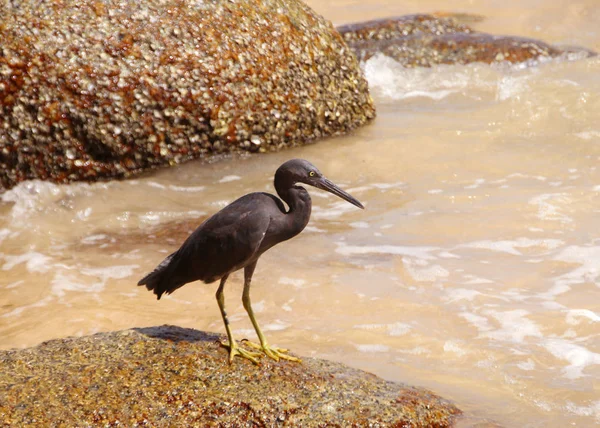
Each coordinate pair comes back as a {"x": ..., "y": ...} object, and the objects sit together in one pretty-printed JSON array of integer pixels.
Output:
[
  {"x": 427, "y": 40},
  {"x": 173, "y": 376},
  {"x": 97, "y": 89}
]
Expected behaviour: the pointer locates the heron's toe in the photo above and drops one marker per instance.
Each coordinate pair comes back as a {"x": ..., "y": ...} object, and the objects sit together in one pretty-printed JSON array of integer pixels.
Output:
[
  {"x": 235, "y": 350},
  {"x": 282, "y": 353},
  {"x": 273, "y": 352}
]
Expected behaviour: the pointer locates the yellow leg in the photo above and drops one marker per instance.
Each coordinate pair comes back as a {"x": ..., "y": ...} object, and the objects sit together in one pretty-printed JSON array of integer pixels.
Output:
[
  {"x": 270, "y": 351},
  {"x": 234, "y": 349}
]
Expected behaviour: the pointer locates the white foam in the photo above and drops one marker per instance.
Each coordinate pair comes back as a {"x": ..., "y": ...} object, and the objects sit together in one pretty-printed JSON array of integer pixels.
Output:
[
  {"x": 41, "y": 197},
  {"x": 515, "y": 326},
  {"x": 110, "y": 272},
  {"x": 359, "y": 189},
  {"x": 34, "y": 262},
  {"x": 510, "y": 87},
  {"x": 295, "y": 282},
  {"x": 389, "y": 79},
  {"x": 588, "y": 135},
  {"x": 286, "y": 306},
  {"x": 475, "y": 280},
  {"x": 360, "y": 225},
  {"x": 395, "y": 329},
  {"x": 424, "y": 273},
  {"x": 556, "y": 290},
  {"x": 593, "y": 410},
  {"x": 29, "y": 195},
  {"x": 398, "y": 329},
  {"x": 385, "y": 186},
  {"x": 478, "y": 182},
  {"x": 276, "y": 325},
  {"x": 549, "y": 207},
  {"x": 577, "y": 356},
  {"x": 155, "y": 185},
  {"x": 15, "y": 284},
  {"x": 461, "y": 294},
  {"x": 417, "y": 252},
  {"x": 313, "y": 229},
  {"x": 65, "y": 281},
  {"x": 258, "y": 307},
  {"x": 510, "y": 246},
  {"x": 418, "y": 350},
  {"x": 221, "y": 204},
  {"x": 481, "y": 323},
  {"x": 230, "y": 178},
  {"x": 372, "y": 348},
  {"x": 71, "y": 279},
  {"x": 5, "y": 233},
  {"x": 588, "y": 258},
  {"x": 527, "y": 365},
  {"x": 369, "y": 326},
  {"x": 448, "y": 255},
  {"x": 334, "y": 210},
  {"x": 20, "y": 309},
  {"x": 153, "y": 218},
  {"x": 93, "y": 239},
  {"x": 574, "y": 316},
  {"x": 455, "y": 348},
  {"x": 187, "y": 189}
]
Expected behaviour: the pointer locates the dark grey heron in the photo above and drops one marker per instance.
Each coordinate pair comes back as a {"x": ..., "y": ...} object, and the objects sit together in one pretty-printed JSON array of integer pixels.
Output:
[{"x": 235, "y": 238}]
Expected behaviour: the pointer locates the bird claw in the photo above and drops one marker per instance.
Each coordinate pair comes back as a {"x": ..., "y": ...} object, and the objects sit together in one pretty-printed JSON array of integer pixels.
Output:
[
  {"x": 235, "y": 350},
  {"x": 273, "y": 352}
]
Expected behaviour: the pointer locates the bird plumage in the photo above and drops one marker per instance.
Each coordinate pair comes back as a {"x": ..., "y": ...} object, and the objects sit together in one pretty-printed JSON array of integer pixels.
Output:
[{"x": 235, "y": 237}]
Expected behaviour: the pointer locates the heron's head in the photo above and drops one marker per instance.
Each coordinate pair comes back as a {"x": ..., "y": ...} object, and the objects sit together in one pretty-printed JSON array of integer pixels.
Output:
[{"x": 302, "y": 171}]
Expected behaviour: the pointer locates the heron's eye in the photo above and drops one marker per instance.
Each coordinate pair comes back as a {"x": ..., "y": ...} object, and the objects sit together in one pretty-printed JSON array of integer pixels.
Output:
[{"x": 312, "y": 173}]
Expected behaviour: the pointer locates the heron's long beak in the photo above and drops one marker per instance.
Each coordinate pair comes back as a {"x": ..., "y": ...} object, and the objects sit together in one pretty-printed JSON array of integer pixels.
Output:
[{"x": 327, "y": 185}]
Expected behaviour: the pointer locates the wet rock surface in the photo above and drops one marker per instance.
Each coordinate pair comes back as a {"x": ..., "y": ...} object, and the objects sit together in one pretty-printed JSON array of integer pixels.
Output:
[
  {"x": 173, "y": 376},
  {"x": 427, "y": 40},
  {"x": 92, "y": 90}
]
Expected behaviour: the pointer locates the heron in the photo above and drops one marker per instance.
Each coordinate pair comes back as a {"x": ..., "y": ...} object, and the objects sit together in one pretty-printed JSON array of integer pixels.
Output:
[{"x": 235, "y": 238}]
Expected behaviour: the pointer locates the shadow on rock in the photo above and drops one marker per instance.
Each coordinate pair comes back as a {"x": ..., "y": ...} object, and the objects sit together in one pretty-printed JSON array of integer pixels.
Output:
[{"x": 177, "y": 334}]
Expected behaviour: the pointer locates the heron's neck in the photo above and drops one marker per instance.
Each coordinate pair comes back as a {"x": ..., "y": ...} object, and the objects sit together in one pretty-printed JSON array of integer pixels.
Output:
[{"x": 300, "y": 205}]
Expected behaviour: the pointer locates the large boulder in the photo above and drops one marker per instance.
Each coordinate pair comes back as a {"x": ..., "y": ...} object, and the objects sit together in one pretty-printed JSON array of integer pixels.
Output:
[
  {"x": 170, "y": 376},
  {"x": 427, "y": 40},
  {"x": 94, "y": 89}
]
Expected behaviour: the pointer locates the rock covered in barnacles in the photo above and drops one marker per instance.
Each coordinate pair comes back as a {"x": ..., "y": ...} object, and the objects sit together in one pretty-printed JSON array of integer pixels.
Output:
[
  {"x": 172, "y": 376},
  {"x": 104, "y": 88},
  {"x": 427, "y": 40}
]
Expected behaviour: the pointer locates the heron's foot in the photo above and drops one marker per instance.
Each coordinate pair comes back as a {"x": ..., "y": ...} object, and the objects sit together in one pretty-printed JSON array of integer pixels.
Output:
[
  {"x": 273, "y": 352},
  {"x": 235, "y": 350}
]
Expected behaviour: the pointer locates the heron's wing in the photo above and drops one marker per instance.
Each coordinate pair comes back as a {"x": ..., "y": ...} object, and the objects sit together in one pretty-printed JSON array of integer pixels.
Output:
[{"x": 224, "y": 243}]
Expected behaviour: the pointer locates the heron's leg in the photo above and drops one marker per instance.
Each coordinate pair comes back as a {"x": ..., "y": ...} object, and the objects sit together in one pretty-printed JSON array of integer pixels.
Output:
[
  {"x": 234, "y": 349},
  {"x": 270, "y": 351}
]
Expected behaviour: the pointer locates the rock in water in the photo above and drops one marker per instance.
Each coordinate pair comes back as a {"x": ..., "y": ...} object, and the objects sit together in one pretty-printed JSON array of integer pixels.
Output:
[
  {"x": 94, "y": 89},
  {"x": 428, "y": 40},
  {"x": 180, "y": 377}
]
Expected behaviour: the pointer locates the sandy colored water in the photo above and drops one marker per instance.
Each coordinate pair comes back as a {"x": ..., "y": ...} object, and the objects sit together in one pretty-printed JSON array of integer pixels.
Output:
[{"x": 474, "y": 269}]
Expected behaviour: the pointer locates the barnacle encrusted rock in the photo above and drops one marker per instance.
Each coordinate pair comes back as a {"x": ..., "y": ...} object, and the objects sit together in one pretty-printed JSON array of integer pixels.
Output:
[
  {"x": 167, "y": 375},
  {"x": 105, "y": 88},
  {"x": 428, "y": 40}
]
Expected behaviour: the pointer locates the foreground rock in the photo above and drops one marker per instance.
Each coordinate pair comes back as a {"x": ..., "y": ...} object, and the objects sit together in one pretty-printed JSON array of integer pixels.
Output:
[
  {"x": 427, "y": 40},
  {"x": 93, "y": 89},
  {"x": 178, "y": 377}
]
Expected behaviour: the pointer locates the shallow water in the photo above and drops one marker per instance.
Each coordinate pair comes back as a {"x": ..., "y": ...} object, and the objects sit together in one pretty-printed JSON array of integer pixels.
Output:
[{"x": 474, "y": 269}]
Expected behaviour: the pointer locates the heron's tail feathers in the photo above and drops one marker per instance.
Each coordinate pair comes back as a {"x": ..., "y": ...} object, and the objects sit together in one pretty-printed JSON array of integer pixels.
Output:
[{"x": 161, "y": 280}]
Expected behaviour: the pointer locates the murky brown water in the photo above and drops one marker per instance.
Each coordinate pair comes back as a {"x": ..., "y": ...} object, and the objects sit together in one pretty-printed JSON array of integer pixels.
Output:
[{"x": 473, "y": 271}]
